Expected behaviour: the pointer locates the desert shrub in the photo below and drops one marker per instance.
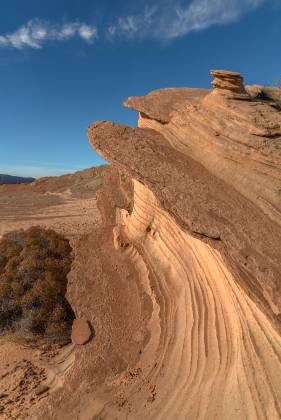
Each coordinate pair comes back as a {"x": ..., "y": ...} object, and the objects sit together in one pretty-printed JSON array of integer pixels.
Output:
[{"x": 33, "y": 278}]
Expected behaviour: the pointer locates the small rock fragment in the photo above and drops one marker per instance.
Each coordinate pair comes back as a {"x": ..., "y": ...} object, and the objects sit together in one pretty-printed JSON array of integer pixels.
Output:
[
  {"x": 41, "y": 389},
  {"x": 81, "y": 331}
]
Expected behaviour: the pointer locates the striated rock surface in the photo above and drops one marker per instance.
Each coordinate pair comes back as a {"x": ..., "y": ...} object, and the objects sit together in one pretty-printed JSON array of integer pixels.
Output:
[{"x": 182, "y": 279}]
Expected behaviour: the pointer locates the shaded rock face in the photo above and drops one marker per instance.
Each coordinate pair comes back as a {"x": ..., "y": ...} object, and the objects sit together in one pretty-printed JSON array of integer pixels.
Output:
[
  {"x": 185, "y": 271},
  {"x": 270, "y": 94}
]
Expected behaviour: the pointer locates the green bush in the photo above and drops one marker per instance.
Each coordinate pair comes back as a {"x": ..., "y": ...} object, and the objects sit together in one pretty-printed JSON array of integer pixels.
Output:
[{"x": 33, "y": 279}]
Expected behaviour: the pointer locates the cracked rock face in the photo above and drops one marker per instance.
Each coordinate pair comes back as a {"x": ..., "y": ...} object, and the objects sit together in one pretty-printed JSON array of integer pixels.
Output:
[{"x": 183, "y": 278}]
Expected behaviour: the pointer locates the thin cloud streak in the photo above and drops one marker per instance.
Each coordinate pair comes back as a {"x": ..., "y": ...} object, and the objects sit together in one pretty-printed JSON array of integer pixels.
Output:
[
  {"x": 172, "y": 19},
  {"x": 133, "y": 24},
  {"x": 36, "y": 33}
]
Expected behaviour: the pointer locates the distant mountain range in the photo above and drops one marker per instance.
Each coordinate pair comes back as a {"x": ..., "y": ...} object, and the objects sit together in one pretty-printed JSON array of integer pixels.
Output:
[{"x": 9, "y": 179}]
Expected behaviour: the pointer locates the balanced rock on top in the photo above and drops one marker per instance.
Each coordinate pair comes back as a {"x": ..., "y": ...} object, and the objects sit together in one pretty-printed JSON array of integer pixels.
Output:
[{"x": 229, "y": 83}]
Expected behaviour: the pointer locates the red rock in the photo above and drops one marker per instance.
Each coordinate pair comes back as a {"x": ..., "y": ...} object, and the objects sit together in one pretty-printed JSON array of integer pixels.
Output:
[{"x": 81, "y": 331}]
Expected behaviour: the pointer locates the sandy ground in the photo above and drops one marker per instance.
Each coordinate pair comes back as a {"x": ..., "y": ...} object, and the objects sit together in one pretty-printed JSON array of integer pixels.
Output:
[
  {"x": 21, "y": 372},
  {"x": 66, "y": 204},
  {"x": 73, "y": 216},
  {"x": 29, "y": 375}
]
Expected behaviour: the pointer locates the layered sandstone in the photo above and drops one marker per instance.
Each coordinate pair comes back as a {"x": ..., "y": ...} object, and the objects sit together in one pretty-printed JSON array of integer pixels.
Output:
[
  {"x": 229, "y": 83},
  {"x": 182, "y": 281}
]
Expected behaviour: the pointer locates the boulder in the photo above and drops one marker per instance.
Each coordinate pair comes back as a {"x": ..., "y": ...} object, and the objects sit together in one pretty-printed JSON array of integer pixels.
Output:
[{"x": 81, "y": 331}]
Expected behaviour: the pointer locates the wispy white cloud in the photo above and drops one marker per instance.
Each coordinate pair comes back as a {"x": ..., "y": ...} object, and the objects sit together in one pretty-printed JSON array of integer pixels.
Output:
[
  {"x": 132, "y": 25},
  {"x": 172, "y": 19},
  {"x": 36, "y": 33},
  {"x": 161, "y": 20},
  {"x": 88, "y": 32}
]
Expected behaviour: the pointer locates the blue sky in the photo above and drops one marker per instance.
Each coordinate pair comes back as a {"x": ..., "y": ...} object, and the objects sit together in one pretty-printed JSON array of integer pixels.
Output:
[{"x": 67, "y": 63}]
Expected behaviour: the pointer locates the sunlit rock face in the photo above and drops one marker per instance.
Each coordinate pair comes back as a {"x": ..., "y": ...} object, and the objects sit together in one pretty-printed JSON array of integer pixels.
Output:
[
  {"x": 182, "y": 279},
  {"x": 208, "y": 339}
]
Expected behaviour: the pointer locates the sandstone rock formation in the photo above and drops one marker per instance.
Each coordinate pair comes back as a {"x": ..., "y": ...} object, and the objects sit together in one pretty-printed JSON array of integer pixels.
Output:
[{"x": 182, "y": 279}]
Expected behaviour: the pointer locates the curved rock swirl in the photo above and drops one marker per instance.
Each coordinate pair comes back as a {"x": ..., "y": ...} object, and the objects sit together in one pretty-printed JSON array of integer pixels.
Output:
[{"x": 216, "y": 354}]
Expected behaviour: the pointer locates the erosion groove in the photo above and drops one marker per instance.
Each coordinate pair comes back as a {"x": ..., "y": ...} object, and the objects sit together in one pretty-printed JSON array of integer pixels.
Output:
[{"x": 210, "y": 340}]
